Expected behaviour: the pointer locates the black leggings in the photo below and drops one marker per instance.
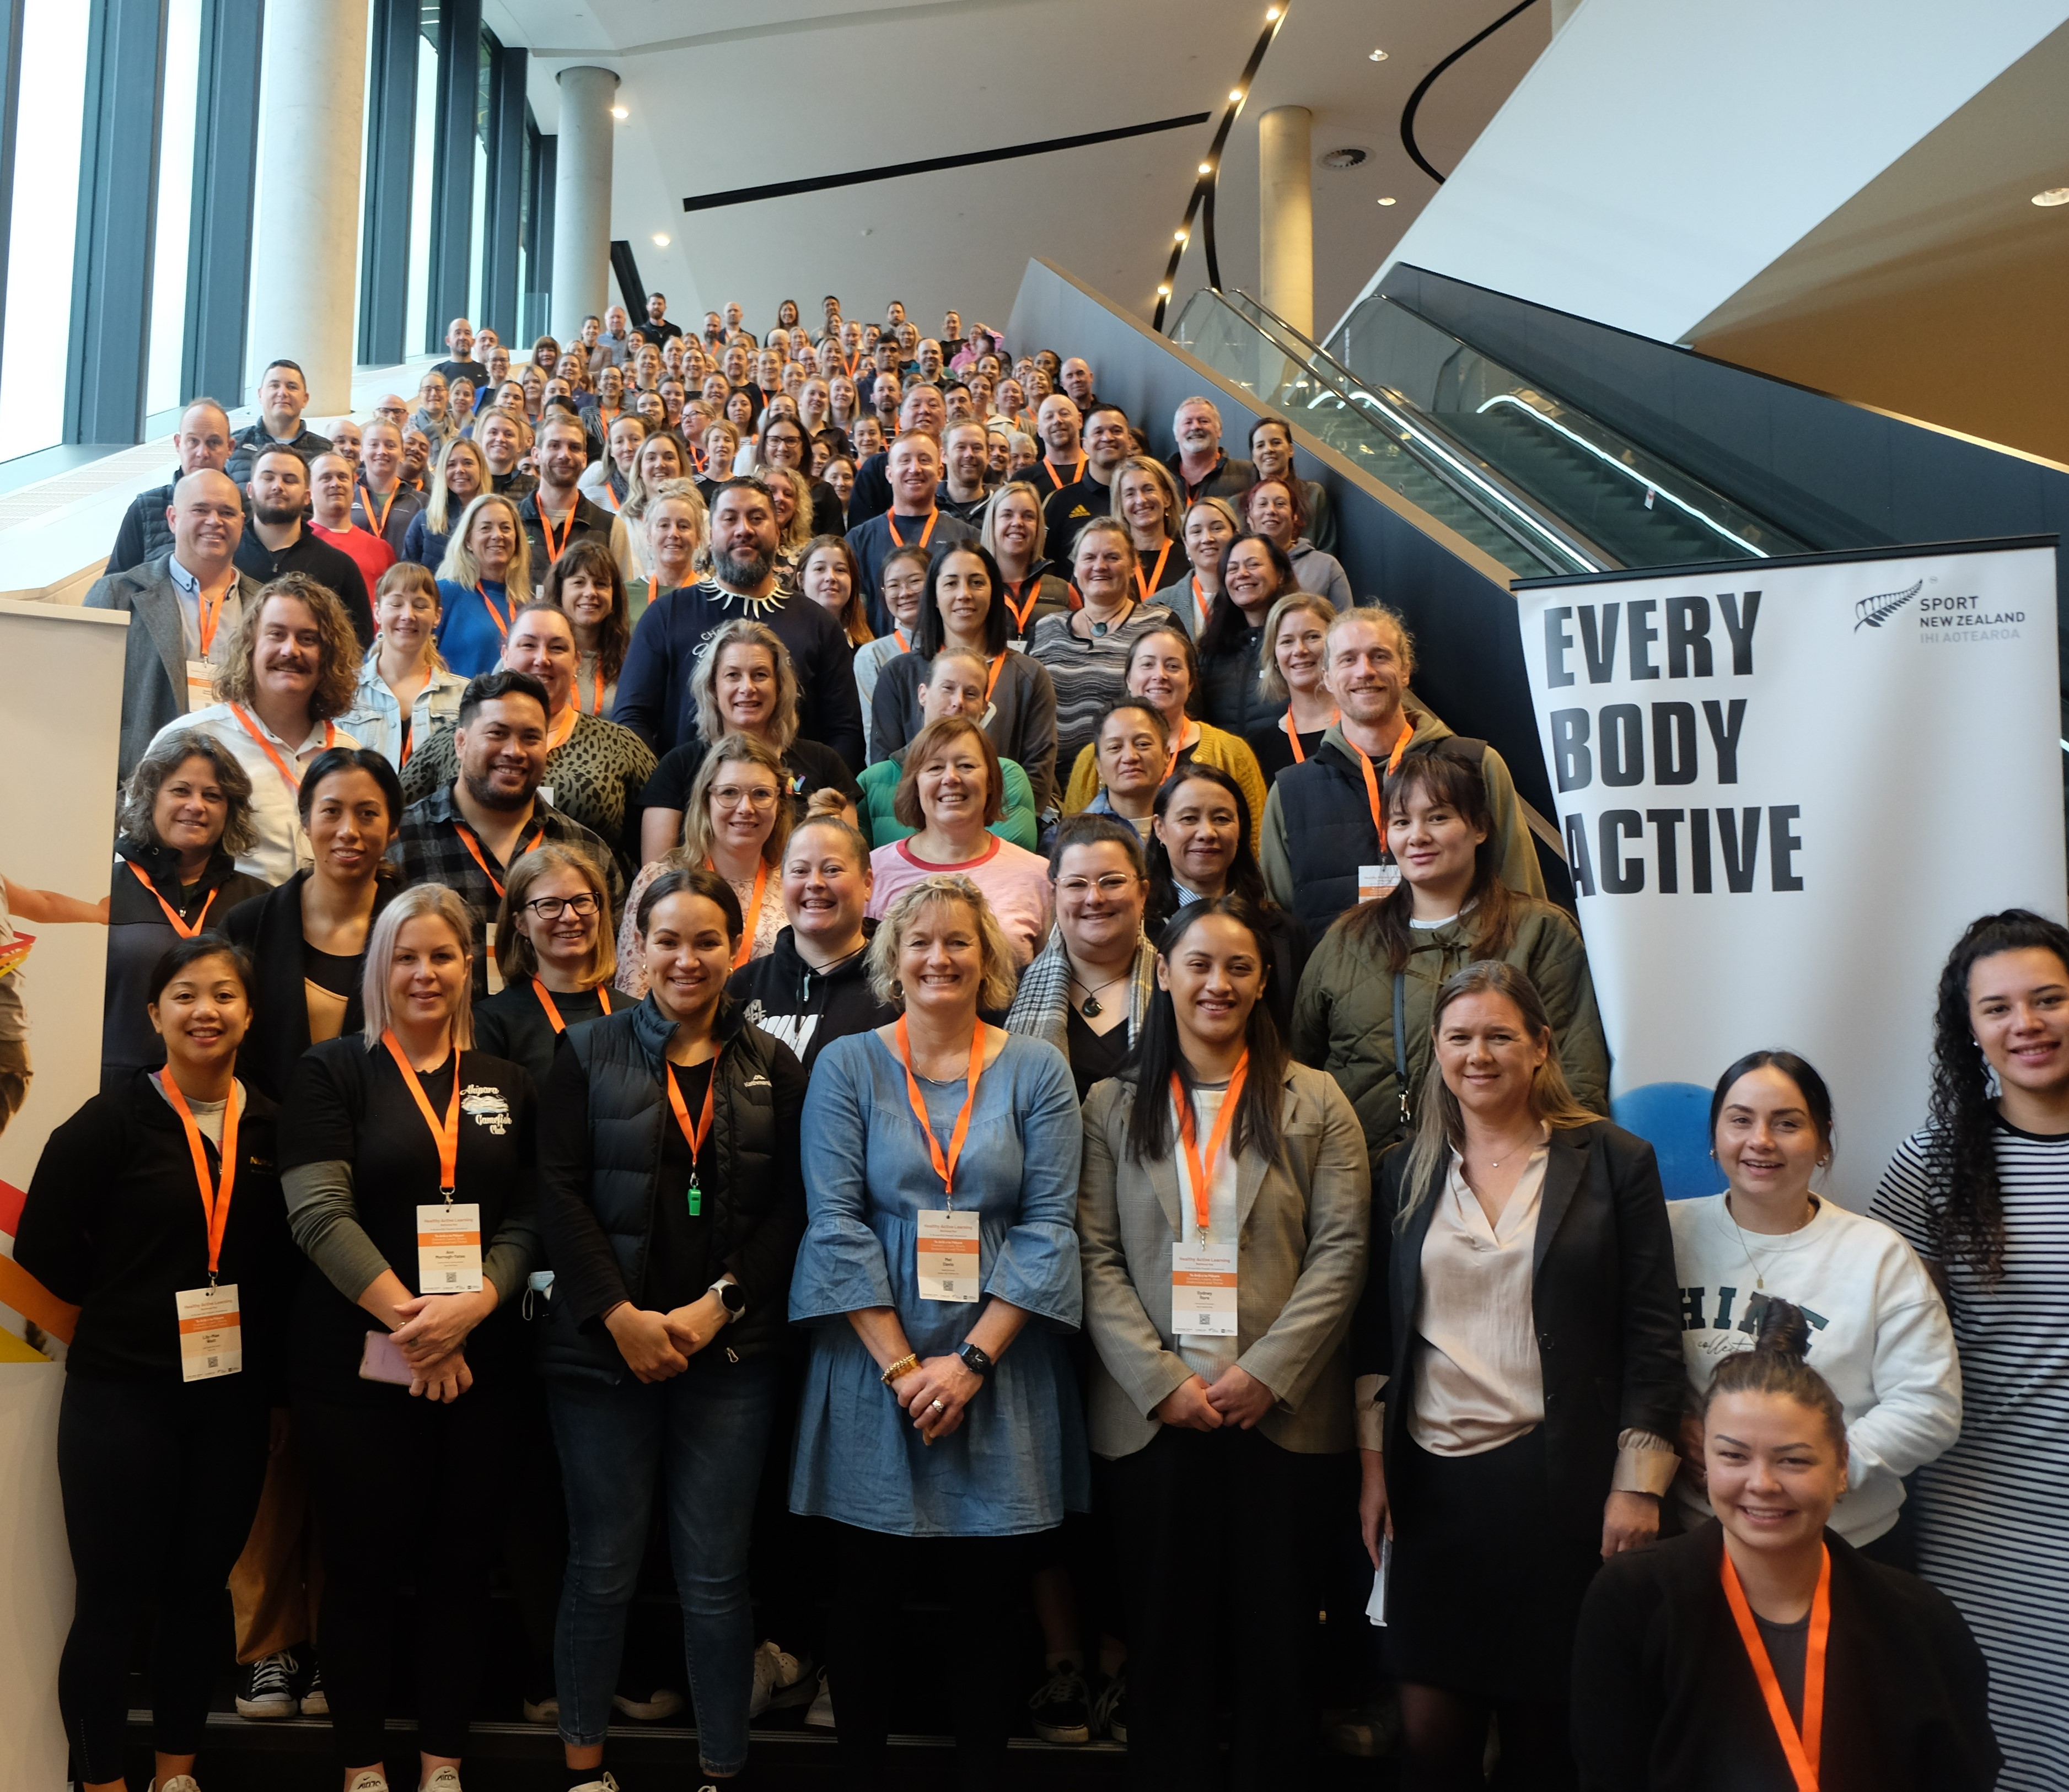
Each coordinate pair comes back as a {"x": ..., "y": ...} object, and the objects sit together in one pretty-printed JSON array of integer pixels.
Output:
[
  {"x": 410, "y": 1495},
  {"x": 984, "y": 1580},
  {"x": 160, "y": 1481}
]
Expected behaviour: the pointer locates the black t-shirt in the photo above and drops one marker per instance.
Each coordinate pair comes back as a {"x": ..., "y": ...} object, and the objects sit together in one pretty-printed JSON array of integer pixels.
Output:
[
  {"x": 1067, "y": 511},
  {"x": 812, "y": 767},
  {"x": 1788, "y": 1651},
  {"x": 338, "y": 973},
  {"x": 464, "y": 371},
  {"x": 1275, "y": 752},
  {"x": 513, "y": 1023},
  {"x": 349, "y": 1104},
  {"x": 678, "y": 1268},
  {"x": 1094, "y": 1056}
]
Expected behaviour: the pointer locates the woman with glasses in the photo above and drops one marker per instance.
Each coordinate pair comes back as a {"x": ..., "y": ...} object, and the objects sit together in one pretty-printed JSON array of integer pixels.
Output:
[{"x": 555, "y": 947}]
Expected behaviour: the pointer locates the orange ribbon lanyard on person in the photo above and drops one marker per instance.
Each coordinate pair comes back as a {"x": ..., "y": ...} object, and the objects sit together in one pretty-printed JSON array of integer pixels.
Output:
[
  {"x": 546, "y": 530},
  {"x": 943, "y": 1167},
  {"x": 556, "y": 734},
  {"x": 698, "y": 1133},
  {"x": 1014, "y": 608},
  {"x": 467, "y": 840},
  {"x": 381, "y": 525},
  {"x": 991, "y": 684},
  {"x": 1803, "y": 1751},
  {"x": 926, "y": 535},
  {"x": 1199, "y": 607},
  {"x": 207, "y": 615},
  {"x": 289, "y": 776},
  {"x": 1300, "y": 757},
  {"x": 447, "y": 1135},
  {"x": 1372, "y": 780},
  {"x": 554, "y": 1013},
  {"x": 898, "y": 635},
  {"x": 611, "y": 497},
  {"x": 172, "y": 914},
  {"x": 1077, "y": 472},
  {"x": 501, "y": 621},
  {"x": 1187, "y": 738},
  {"x": 1154, "y": 581},
  {"x": 214, "y": 1200},
  {"x": 752, "y": 919},
  {"x": 1202, "y": 1172}
]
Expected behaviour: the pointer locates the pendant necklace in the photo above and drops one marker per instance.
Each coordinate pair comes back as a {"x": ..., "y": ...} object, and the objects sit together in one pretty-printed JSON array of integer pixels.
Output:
[
  {"x": 1752, "y": 1262},
  {"x": 1092, "y": 1007}
]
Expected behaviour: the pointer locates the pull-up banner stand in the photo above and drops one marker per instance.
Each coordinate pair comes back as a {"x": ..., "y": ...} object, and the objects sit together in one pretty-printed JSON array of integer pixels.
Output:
[{"x": 1786, "y": 786}]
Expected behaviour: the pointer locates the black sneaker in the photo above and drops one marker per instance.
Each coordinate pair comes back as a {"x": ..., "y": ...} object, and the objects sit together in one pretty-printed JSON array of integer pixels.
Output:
[
  {"x": 1110, "y": 1712},
  {"x": 308, "y": 1684},
  {"x": 266, "y": 1688},
  {"x": 1060, "y": 1709}
]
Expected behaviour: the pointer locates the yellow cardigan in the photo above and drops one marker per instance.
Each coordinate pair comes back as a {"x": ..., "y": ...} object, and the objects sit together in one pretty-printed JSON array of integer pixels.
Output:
[{"x": 1216, "y": 747}]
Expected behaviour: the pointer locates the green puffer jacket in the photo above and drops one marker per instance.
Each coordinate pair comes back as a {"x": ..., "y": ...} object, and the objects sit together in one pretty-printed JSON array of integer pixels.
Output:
[{"x": 1343, "y": 1018}]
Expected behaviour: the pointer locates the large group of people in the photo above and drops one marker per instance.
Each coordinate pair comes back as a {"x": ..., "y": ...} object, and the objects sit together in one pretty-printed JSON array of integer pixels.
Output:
[{"x": 800, "y": 946}]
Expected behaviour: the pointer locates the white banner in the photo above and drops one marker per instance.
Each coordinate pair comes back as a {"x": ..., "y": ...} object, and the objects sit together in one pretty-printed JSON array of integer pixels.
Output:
[{"x": 1786, "y": 787}]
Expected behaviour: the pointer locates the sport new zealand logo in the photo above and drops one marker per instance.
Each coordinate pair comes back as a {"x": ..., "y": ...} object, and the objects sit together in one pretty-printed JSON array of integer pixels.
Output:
[{"x": 1873, "y": 612}]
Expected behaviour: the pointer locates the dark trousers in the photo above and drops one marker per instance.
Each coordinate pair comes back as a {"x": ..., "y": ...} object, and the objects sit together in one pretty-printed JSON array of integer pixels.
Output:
[
  {"x": 411, "y": 1495},
  {"x": 983, "y": 1581},
  {"x": 160, "y": 1481},
  {"x": 1213, "y": 1530}
]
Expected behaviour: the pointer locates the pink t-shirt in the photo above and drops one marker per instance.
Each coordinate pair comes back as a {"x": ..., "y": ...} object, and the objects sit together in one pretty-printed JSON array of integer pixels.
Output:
[{"x": 1015, "y": 882}]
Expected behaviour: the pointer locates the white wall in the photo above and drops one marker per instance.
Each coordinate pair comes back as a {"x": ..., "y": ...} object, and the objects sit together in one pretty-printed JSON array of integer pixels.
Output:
[{"x": 1661, "y": 153}]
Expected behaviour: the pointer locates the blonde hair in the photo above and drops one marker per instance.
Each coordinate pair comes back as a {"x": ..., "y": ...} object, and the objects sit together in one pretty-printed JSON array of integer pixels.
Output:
[
  {"x": 1271, "y": 680},
  {"x": 999, "y": 976},
  {"x": 437, "y": 517},
  {"x": 459, "y": 563},
  {"x": 516, "y": 956},
  {"x": 1106, "y": 525},
  {"x": 408, "y": 575},
  {"x": 799, "y": 536},
  {"x": 988, "y": 536},
  {"x": 741, "y": 632},
  {"x": 446, "y": 904},
  {"x": 1160, "y": 475},
  {"x": 734, "y": 749}
]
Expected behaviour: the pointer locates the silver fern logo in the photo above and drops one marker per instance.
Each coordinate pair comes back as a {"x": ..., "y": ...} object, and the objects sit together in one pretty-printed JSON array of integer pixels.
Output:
[{"x": 1873, "y": 612}]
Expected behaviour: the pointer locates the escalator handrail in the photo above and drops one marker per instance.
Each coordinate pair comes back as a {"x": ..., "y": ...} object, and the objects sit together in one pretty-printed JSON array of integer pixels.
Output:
[{"x": 1510, "y": 510}]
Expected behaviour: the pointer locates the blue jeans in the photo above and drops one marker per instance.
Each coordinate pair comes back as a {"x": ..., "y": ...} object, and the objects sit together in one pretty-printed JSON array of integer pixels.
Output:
[{"x": 702, "y": 1435}]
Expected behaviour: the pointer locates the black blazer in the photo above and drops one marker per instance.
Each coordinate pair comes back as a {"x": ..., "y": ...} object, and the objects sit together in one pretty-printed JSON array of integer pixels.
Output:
[
  {"x": 1664, "y": 1696},
  {"x": 270, "y": 927},
  {"x": 1604, "y": 1294}
]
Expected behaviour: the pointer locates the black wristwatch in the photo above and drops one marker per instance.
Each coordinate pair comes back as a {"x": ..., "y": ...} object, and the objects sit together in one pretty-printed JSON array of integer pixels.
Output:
[
  {"x": 732, "y": 1296},
  {"x": 975, "y": 1361}
]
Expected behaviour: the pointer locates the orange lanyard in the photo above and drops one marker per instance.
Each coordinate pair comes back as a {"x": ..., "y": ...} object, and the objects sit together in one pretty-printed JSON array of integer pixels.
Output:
[
  {"x": 1187, "y": 738},
  {"x": 557, "y": 734},
  {"x": 1371, "y": 781},
  {"x": 214, "y": 1201},
  {"x": 1199, "y": 607},
  {"x": 926, "y": 535},
  {"x": 698, "y": 1133},
  {"x": 172, "y": 914},
  {"x": 546, "y": 529},
  {"x": 554, "y": 1013},
  {"x": 366, "y": 503},
  {"x": 1154, "y": 580},
  {"x": 467, "y": 840},
  {"x": 1014, "y": 608},
  {"x": 595, "y": 688},
  {"x": 1803, "y": 1751},
  {"x": 1202, "y": 1173},
  {"x": 943, "y": 1167},
  {"x": 610, "y": 497},
  {"x": 208, "y": 615},
  {"x": 289, "y": 775},
  {"x": 898, "y": 635},
  {"x": 1293, "y": 735},
  {"x": 991, "y": 684},
  {"x": 446, "y": 1137},
  {"x": 752, "y": 919},
  {"x": 501, "y": 620},
  {"x": 1077, "y": 472}
]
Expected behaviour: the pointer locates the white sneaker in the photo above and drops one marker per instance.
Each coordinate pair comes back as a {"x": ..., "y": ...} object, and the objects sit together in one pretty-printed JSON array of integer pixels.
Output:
[
  {"x": 179, "y": 1782},
  {"x": 821, "y": 1716},
  {"x": 606, "y": 1783},
  {"x": 442, "y": 1779},
  {"x": 779, "y": 1680},
  {"x": 368, "y": 1781},
  {"x": 648, "y": 1708}
]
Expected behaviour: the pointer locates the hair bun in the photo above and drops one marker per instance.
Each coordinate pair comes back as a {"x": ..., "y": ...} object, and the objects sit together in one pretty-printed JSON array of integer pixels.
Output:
[{"x": 1784, "y": 1331}]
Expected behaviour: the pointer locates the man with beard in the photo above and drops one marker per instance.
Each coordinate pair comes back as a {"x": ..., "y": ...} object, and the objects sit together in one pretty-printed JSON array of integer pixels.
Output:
[
  {"x": 654, "y": 688},
  {"x": 202, "y": 444},
  {"x": 659, "y": 327},
  {"x": 1075, "y": 379},
  {"x": 1201, "y": 464},
  {"x": 555, "y": 513},
  {"x": 914, "y": 519},
  {"x": 183, "y": 606},
  {"x": 461, "y": 364},
  {"x": 384, "y": 504},
  {"x": 277, "y": 542},
  {"x": 467, "y": 834},
  {"x": 965, "y": 472},
  {"x": 1108, "y": 441}
]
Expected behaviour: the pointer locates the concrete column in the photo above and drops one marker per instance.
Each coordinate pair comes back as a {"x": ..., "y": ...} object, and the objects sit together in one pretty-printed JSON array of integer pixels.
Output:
[
  {"x": 1286, "y": 215},
  {"x": 581, "y": 198},
  {"x": 305, "y": 238}
]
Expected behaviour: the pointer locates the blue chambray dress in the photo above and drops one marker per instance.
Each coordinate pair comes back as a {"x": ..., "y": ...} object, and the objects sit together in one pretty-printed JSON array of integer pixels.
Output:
[{"x": 1018, "y": 1459}]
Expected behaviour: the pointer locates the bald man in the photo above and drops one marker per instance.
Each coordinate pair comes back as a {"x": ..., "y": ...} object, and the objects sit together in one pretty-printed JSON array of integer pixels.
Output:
[
  {"x": 183, "y": 606},
  {"x": 201, "y": 443}
]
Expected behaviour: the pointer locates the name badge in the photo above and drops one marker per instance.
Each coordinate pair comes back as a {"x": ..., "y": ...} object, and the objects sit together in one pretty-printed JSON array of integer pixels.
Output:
[
  {"x": 449, "y": 1248},
  {"x": 1203, "y": 1289},
  {"x": 200, "y": 684},
  {"x": 1374, "y": 881},
  {"x": 211, "y": 1334},
  {"x": 948, "y": 1249},
  {"x": 1017, "y": 645}
]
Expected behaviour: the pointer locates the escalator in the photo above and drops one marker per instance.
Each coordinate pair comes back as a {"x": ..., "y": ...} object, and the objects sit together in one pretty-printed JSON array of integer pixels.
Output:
[{"x": 1539, "y": 486}]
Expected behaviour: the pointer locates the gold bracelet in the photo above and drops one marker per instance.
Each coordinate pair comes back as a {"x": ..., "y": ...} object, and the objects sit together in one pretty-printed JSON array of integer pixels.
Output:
[{"x": 903, "y": 1366}]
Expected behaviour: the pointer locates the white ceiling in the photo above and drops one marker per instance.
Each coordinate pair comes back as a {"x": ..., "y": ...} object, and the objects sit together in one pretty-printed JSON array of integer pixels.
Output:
[{"x": 820, "y": 87}]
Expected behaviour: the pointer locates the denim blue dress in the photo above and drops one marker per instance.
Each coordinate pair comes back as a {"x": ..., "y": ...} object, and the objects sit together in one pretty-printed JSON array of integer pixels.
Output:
[{"x": 1018, "y": 1459}]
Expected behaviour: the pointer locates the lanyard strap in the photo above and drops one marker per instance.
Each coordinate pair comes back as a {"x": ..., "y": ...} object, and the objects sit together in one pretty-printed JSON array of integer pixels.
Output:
[
  {"x": 554, "y": 1013},
  {"x": 1804, "y": 1751},
  {"x": 289, "y": 775},
  {"x": 926, "y": 535},
  {"x": 1201, "y": 1171},
  {"x": 943, "y": 1167},
  {"x": 991, "y": 684},
  {"x": 698, "y": 1133},
  {"x": 1299, "y": 754},
  {"x": 1077, "y": 472},
  {"x": 898, "y": 635},
  {"x": 1018, "y": 611},
  {"x": 1153, "y": 580},
  {"x": 380, "y": 523},
  {"x": 467, "y": 840},
  {"x": 501, "y": 619},
  {"x": 557, "y": 733},
  {"x": 546, "y": 529},
  {"x": 752, "y": 919},
  {"x": 1187, "y": 738},
  {"x": 214, "y": 1200},
  {"x": 208, "y": 612},
  {"x": 172, "y": 914},
  {"x": 446, "y": 1137},
  {"x": 1371, "y": 778}
]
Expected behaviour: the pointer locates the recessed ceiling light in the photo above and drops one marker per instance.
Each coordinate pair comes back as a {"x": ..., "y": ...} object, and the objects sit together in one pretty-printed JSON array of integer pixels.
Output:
[
  {"x": 660, "y": 240},
  {"x": 1389, "y": 202},
  {"x": 1235, "y": 93},
  {"x": 1164, "y": 291},
  {"x": 1377, "y": 56},
  {"x": 1178, "y": 236},
  {"x": 1206, "y": 168},
  {"x": 2054, "y": 196},
  {"x": 619, "y": 111}
]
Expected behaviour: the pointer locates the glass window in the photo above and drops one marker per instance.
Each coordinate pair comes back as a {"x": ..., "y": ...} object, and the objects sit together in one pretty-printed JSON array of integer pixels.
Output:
[
  {"x": 420, "y": 193},
  {"x": 484, "y": 72},
  {"x": 162, "y": 387},
  {"x": 43, "y": 220}
]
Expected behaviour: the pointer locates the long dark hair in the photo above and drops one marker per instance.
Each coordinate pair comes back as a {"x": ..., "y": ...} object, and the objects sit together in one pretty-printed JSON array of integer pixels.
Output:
[
  {"x": 931, "y": 632},
  {"x": 1444, "y": 773},
  {"x": 592, "y": 555},
  {"x": 1225, "y": 624},
  {"x": 1158, "y": 1058},
  {"x": 1817, "y": 1097},
  {"x": 1245, "y": 878},
  {"x": 1968, "y": 1220}
]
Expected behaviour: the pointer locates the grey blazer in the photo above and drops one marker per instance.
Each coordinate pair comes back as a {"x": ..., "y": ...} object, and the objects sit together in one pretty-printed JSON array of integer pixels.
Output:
[
  {"x": 154, "y": 667},
  {"x": 1301, "y": 1255}
]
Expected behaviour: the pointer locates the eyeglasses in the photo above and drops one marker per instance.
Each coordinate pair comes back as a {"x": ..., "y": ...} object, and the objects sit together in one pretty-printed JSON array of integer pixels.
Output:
[
  {"x": 550, "y": 908},
  {"x": 731, "y": 796},
  {"x": 1114, "y": 883}
]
